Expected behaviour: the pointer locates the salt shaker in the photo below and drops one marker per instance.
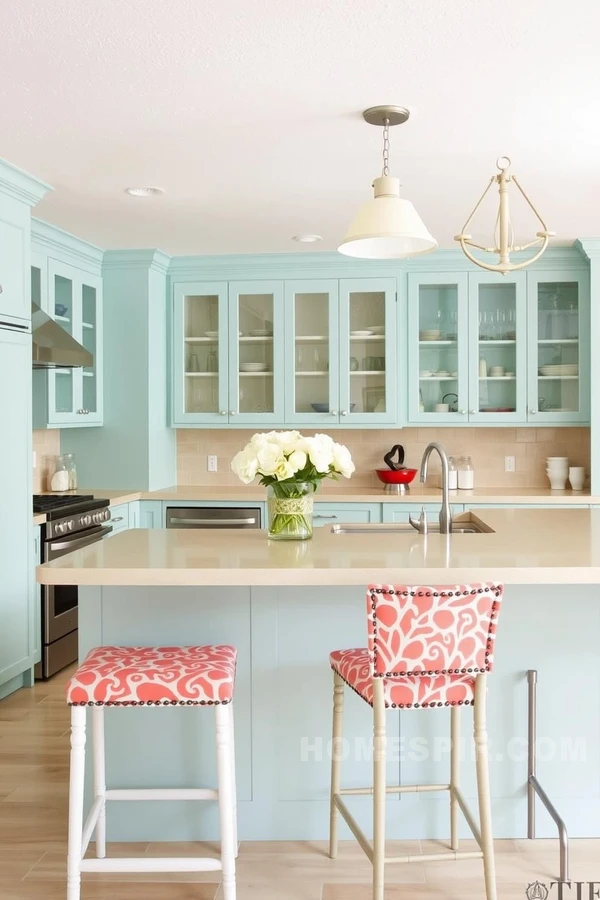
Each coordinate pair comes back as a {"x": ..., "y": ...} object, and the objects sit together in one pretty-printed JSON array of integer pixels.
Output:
[{"x": 466, "y": 478}]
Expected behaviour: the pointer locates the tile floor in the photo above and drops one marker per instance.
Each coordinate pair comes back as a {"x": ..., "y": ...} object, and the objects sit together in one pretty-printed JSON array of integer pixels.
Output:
[{"x": 34, "y": 746}]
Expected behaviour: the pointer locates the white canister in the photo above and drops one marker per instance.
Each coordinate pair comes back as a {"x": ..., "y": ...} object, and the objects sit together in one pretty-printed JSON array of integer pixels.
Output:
[
  {"x": 466, "y": 477},
  {"x": 452, "y": 474}
]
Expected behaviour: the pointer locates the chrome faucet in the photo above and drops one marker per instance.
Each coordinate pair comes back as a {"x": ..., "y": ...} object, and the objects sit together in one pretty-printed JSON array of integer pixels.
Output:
[{"x": 420, "y": 524}]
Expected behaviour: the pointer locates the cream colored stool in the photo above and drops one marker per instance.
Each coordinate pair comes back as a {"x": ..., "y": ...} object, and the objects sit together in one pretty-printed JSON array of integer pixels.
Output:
[
  {"x": 428, "y": 647},
  {"x": 149, "y": 676}
]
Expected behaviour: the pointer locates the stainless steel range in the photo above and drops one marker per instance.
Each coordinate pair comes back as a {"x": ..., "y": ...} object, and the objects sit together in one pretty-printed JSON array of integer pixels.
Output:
[{"x": 72, "y": 522}]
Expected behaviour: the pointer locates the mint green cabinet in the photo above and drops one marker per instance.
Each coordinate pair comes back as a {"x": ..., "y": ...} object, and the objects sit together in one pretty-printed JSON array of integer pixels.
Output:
[
  {"x": 328, "y": 513},
  {"x": 67, "y": 398},
  {"x": 15, "y": 307},
  {"x": 399, "y": 512},
  {"x": 559, "y": 347},
  {"x": 486, "y": 349},
  {"x": 151, "y": 514},
  {"x": 35, "y": 594}
]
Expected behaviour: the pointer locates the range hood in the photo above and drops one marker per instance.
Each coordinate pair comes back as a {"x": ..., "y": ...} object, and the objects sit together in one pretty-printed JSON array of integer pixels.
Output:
[{"x": 53, "y": 347}]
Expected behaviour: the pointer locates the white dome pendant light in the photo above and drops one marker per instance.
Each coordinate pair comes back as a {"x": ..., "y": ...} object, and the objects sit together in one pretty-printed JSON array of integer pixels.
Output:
[
  {"x": 504, "y": 237},
  {"x": 387, "y": 227}
]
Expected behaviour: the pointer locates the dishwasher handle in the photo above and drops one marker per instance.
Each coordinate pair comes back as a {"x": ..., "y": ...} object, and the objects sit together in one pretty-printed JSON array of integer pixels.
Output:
[{"x": 212, "y": 522}]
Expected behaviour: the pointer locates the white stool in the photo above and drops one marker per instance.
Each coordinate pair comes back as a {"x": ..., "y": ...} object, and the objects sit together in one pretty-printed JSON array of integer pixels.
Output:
[{"x": 149, "y": 676}]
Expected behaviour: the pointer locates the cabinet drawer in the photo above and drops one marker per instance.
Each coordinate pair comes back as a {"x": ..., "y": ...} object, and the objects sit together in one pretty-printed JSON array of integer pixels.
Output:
[
  {"x": 119, "y": 517},
  {"x": 399, "y": 512},
  {"x": 358, "y": 513}
]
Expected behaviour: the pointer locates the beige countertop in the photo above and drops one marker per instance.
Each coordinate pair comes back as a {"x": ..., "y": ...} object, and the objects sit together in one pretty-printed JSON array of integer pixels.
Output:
[
  {"x": 349, "y": 494},
  {"x": 526, "y": 546}
]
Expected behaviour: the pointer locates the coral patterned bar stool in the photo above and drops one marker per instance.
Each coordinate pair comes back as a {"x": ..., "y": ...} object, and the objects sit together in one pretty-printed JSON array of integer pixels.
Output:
[
  {"x": 149, "y": 676},
  {"x": 427, "y": 647}
]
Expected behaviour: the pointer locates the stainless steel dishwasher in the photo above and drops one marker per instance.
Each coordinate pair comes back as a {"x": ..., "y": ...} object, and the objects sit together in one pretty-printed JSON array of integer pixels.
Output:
[{"x": 213, "y": 517}]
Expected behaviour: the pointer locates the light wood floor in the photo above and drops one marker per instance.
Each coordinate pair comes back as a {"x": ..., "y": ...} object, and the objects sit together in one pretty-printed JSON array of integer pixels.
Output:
[{"x": 34, "y": 746}]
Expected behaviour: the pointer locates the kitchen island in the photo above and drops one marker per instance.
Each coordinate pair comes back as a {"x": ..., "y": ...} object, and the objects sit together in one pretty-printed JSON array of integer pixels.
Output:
[{"x": 286, "y": 606}]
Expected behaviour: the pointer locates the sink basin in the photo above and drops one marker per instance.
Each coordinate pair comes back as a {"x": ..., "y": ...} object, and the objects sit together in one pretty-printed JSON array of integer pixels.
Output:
[{"x": 462, "y": 525}]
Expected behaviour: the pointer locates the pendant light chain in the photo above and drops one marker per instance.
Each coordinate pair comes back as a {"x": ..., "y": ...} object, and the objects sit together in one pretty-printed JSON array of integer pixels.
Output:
[{"x": 386, "y": 147}]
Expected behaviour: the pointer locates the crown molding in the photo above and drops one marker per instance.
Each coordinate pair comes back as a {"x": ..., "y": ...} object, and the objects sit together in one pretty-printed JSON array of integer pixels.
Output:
[
  {"x": 20, "y": 185},
  {"x": 589, "y": 247},
  {"x": 154, "y": 260},
  {"x": 54, "y": 240}
]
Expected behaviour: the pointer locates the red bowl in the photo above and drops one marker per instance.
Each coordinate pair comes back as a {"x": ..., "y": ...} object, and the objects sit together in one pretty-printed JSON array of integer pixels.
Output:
[{"x": 396, "y": 476}]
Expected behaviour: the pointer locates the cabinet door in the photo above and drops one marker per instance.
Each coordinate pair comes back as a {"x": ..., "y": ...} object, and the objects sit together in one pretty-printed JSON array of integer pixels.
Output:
[
  {"x": 39, "y": 282},
  {"x": 16, "y": 563},
  {"x": 200, "y": 353},
  {"x": 438, "y": 348},
  {"x": 256, "y": 393},
  {"x": 497, "y": 348},
  {"x": 36, "y": 598},
  {"x": 368, "y": 351},
  {"x": 311, "y": 352},
  {"x": 90, "y": 298},
  {"x": 326, "y": 514},
  {"x": 151, "y": 514},
  {"x": 559, "y": 347},
  {"x": 65, "y": 386}
]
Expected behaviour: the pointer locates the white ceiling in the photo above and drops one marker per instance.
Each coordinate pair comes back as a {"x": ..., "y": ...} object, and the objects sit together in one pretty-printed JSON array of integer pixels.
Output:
[{"x": 247, "y": 113}]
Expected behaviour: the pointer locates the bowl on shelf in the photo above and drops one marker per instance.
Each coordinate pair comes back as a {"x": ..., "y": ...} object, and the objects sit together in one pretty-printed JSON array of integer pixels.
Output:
[
  {"x": 324, "y": 407},
  {"x": 60, "y": 309}
]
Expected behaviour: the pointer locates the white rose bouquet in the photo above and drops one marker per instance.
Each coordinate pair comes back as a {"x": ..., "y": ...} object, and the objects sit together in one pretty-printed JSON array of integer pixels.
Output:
[{"x": 291, "y": 467}]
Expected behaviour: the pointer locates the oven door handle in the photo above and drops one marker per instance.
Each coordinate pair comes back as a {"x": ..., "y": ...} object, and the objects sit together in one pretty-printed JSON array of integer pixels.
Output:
[{"x": 77, "y": 543}]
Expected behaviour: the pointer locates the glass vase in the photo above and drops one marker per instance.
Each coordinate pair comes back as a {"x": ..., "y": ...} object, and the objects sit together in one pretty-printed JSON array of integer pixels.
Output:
[{"x": 290, "y": 510}]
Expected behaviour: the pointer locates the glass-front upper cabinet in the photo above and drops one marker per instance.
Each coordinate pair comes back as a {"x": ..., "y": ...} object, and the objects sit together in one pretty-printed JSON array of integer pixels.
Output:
[
  {"x": 559, "y": 347},
  {"x": 70, "y": 397},
  {"x": 200, "y": 353},
  {"x": 256, "y": 391},
  {"x": 498, "y": 347},
  {"x": 438, "y": 348},
  {"x": 368, "y": 351},
  {"x": 311, "y": 352}
]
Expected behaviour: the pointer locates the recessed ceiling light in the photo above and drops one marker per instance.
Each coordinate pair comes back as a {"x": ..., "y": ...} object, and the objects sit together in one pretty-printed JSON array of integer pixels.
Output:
[
  {"x": 307, "y": 238},
  {"x": 144, "y": 191}
]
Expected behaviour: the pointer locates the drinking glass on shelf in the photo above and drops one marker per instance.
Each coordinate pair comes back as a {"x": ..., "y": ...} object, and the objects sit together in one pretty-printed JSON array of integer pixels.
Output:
[
  {"x": 316, "y": 359},
  {"x": 299, "y": 359},
  {"x": 194, "y": 363},
  {"x": 212, "y": 363}
]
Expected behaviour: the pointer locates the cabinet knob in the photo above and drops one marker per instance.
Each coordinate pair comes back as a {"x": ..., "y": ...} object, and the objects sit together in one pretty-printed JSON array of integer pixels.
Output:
[
  {"x": 334, "y": 412},
  {"x": 232, "y": 412},
  {"x": 463, "y": 412},
  {"x": 344, "y": 412},
  {"x": 79, "y": 412},
  {"x": 223, "y": 412},
  {"x": 532, "y": 412},
  {"x": 472, "y": 411}
]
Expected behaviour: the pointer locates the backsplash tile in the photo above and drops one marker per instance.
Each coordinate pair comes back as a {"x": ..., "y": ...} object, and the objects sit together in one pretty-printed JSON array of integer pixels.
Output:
[
  {"x": 486, "y": 446},
  {"x": 46, "y": 443}
]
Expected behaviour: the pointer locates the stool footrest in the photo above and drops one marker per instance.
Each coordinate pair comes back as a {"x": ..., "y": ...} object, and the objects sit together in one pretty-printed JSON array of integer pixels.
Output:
[
  {"x": 162, "y": 794},
  {"x": 436, "y": 857},
  {"x": 397, "y": 789},
  {"x": 151, "y": 864}
]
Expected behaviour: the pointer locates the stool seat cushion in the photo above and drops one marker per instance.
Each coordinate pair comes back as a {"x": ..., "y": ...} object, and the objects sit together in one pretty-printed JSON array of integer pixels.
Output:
[
  {"x": 154, "y": 675},
  {"x": 403, "y": 691}
]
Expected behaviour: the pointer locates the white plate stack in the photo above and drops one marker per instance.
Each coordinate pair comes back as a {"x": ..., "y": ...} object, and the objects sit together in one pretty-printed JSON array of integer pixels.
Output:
[
  {"x": 430, "y": 334},
  {"x": 560, "y": 371},
  {"x": 557, "y": 469},
  {"x": 254, "y": 367}
]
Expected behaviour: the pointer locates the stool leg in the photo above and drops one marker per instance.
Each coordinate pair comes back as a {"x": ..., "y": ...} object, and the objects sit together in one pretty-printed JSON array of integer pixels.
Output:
[
  {"x": 379, "y": 791},
  {"x": 233, "y": 779},
  {"x": 336, "y": 761},
  {"x": 76, "y": 780},
  {"x": 454, "y": 774},
  {"x": 99, "y": 777},
  {"x": 225, "y": 783},
  {"x": 483, "y": 786}
]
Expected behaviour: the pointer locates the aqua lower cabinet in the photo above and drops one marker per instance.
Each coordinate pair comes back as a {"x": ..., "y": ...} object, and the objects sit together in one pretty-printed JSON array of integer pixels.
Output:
[
  {"x": 119, "y": 518},
  {"x": 134, "y": 514},
  {"x": 151, "y": 514},
  {"x": 335, "y": 513},
  {"x": 36, "y": 597}
]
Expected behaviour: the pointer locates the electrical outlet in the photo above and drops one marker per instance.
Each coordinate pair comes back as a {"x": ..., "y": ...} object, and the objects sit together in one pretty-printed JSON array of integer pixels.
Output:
[
  {"x": 211, "y": 463},
  {"x": 34, "y": 460},
  {"x": 509, "y": 464}
]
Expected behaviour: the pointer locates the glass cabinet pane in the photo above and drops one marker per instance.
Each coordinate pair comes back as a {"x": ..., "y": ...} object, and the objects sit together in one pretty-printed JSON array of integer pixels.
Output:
[
  {"x": 438, "y": 348},
  {"x": 89, "y": 339},
  {"x": 63, "y": 302},
  {"x": 367, "y": 357},
  {"x": 497, "y": 348},
  {"x": 201, "y": 353},
  {"x": 63, "y": 312},
  {"x": 311, "y": 352},
  {"x": 558, "y": 340},
  {"x": 255, "y": 353}
]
